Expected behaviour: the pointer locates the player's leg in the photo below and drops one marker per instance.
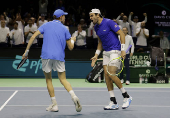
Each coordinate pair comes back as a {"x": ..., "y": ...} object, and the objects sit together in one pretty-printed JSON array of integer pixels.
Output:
[
  {"x": 127, "y": 69},
  {"x": 60, "y": 67},
  {"x": 47, "y": 67},
  {"x": 113, "y": 104},
  {"x": 127, "y": 98}
]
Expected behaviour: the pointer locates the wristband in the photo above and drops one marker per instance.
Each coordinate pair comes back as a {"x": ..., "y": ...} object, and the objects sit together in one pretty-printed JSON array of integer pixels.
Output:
[
  {"x": 26, "y": 53},
  {"x": 122, "y": 47},
  {"x": 98, "y": 52},
  {"x": 72, "y": 41}
]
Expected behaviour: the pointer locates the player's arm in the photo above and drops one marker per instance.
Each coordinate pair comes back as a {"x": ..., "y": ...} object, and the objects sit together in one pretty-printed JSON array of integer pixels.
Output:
[
  {"x": 30, "y": 42},
  {"x": 97, "y": 53},
  {"x": 122, "y": 40},
  {"x": 70, "y": 43}
]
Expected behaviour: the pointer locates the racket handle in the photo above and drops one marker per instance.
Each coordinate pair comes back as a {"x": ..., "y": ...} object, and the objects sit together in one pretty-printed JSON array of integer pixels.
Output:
[
  {"x": 26, "y": 53},
  {"x": 128, "y": 48}
]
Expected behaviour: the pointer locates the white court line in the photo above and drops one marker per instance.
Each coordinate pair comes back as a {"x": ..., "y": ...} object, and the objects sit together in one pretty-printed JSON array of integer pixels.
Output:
[
  {"x": 83, "y": 106},
  {"x": 92, "y": 90},
  {"x": 8, "y": 100}
]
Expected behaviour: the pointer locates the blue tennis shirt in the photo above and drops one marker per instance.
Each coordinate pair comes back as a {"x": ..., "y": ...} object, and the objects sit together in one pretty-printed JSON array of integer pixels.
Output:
[
  {"x": 107, "y": 33},
  {"x": 55, "y": 35}
]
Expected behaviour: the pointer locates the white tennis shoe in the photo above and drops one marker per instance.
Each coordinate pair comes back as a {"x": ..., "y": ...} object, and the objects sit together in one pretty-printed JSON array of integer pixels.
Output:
[
  {"x": 77, "y": 103},
  {"x": 127, "y": 82},
  {"x": 52, "y": 107},
  {"x": 126, "y": 102},
  {"x": 111, "y": 106}
]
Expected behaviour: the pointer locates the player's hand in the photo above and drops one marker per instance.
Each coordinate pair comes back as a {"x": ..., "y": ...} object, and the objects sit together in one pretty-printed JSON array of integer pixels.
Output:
[
  {"x": 13, "y": 33},
  {"x": 123, "y": 54},
  {"x": 131, "y": 54},
  {"x": 74, "y": 38},
  {"x": 23, "y": 56},
  {"x": 122, "y": 14},
  {"x": 131, "y": 13},
  {"x": 94, "y": 59}
]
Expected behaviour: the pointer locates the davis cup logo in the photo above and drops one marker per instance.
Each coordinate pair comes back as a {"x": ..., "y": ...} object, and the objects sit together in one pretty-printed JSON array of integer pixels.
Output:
[{"x": 163, "y": 12}]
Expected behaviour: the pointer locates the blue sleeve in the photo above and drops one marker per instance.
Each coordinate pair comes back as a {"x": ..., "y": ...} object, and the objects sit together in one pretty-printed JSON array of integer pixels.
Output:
[
  {"x": 41, "y": 28},
  {"x": 68, "y": 35},
  {"x": 113, "y": 26}
]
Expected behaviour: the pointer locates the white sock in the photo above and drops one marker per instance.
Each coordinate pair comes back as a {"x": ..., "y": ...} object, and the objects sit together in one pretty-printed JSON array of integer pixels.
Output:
[
  {"x": 72, "y": 93},
  {"x": 122, "y": 90},
  {"x": 53, "y": 100},
  {"x": 111, "y": 93}
]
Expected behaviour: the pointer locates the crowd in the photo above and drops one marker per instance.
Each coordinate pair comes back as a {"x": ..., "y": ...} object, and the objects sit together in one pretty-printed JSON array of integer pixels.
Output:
[{"x": 17, "y": 27}]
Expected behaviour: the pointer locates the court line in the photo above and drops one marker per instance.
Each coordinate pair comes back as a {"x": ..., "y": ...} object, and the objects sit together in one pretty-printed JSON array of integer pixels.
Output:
[
  {"x": 83, "y": 106},
  {"x": 8, "y": 100},
  {"x": 91, "y": 90},
  {"x": 83, "y": 87}
]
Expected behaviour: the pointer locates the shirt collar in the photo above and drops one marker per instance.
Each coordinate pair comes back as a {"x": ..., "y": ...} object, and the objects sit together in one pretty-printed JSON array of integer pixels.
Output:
[{"x": 57, "y": 21}]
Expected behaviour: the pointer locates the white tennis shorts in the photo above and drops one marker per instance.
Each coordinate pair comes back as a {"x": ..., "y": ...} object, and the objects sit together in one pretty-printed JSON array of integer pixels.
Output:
[
  {"x": 109, "y": 55},
  {"x": 56, "y": 65}
]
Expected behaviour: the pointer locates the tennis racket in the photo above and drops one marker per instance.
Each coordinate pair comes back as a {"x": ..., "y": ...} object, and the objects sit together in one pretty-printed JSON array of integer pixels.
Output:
[
  {"x": 23, "y": 60},
  {"x": 115, "y": 66}
]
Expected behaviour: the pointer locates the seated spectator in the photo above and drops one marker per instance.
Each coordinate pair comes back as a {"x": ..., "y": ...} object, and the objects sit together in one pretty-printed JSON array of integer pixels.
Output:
[
  {"x": 80, "y": 38},
  {"x": 29, "y": 31},
  {"x": 164, "y": 42},
  {"x": 4, "y": 34},
  {"x": 4, "y": 17},
  {"x": 123, "y": 23},
  {"x": 17, "y": 36},
  {"x": 142, "y": 36},
  {"x": 41, "y": 20}
]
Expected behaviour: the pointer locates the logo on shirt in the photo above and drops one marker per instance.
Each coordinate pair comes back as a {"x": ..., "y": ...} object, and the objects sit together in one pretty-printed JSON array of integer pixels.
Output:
[
  {"x": 115, "y": 26},
  {"x": 104, "y": 30}
]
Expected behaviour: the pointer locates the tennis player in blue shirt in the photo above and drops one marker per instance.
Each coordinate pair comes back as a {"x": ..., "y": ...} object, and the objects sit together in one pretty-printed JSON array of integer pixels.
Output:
[
  {"x": 56, "y": 35},
  {"x": 107, "y": 31}
]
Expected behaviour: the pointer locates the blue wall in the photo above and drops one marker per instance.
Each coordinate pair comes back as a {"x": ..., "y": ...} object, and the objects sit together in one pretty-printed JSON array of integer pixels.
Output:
[{"x": 32, "y": 68}]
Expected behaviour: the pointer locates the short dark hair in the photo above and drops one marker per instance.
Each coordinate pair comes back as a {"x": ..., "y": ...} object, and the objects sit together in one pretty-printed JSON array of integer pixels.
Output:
[
  {"x": 16, "y": 23},
  {"x": 54, "y": 17},
  {"x": 99, "y": 15}
]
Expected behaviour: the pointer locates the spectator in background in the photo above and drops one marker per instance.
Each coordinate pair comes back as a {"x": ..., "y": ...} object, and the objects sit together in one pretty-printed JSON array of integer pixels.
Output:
[
  {"x": 128, "y": 42},
  {"x": 4, "y": 17},
  {"x": 20, "y": 22},
  {"x": 123, "y": 23},
  {"x": 95, "y": 39},
  {"x": 60, "y": 6},
  {"x": 83, "y": 24},
  {"x": 117, "y": 23},
  {"x": 4, "y": 34},
  {"x": 80, "y": 35},
  {"x": 142, "y": 36},
  {"x": 164, "y": 42},
  {"x": 29, "y": 31},
  {"x": 17, "y": 36},
  {"x": 135, "y": 24},
  {"x": 43, "y": 6},
  {"x": 41, "y": 20},
  {"x": 33, "y": 21}
]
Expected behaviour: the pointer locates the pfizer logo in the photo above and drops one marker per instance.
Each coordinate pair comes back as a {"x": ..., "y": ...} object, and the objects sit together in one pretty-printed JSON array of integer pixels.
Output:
[{"x": 163, "y": 12}]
